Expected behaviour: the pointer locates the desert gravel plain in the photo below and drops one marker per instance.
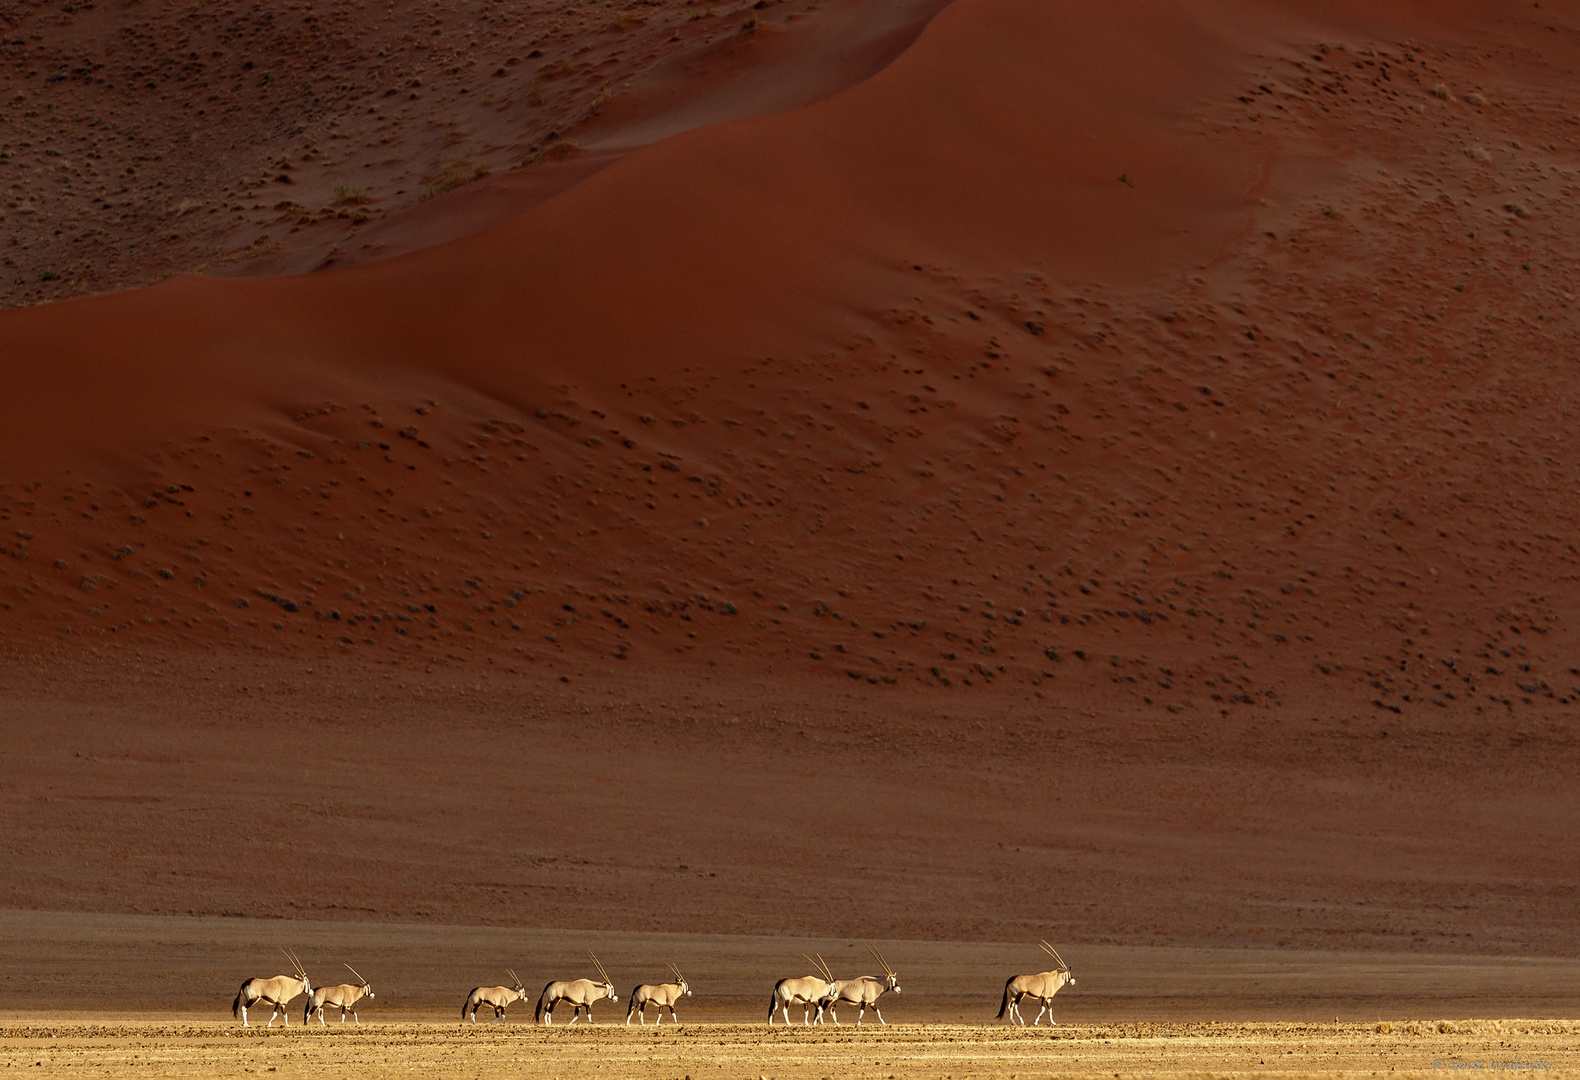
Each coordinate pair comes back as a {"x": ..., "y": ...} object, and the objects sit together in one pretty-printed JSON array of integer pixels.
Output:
[{"x": 955, "y": 1052}]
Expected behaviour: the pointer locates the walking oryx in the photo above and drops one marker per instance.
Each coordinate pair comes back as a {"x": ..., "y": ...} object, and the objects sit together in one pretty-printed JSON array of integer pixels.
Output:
[
  {"x": 581, "y": 993},
  {"x": 805, "y": 992},
  {"x": 279, "y": 992},
  {"x": 1041, "y": 986},
  {"x": 343, "y": 996},
  {"x": 864, "y": 991},
  {"x": 664, "y": 995},
  {"x": 496, "y": 996}
]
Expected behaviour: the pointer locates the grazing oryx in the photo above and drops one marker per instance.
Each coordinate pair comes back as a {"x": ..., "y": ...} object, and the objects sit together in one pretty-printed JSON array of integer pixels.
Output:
[
  {"x": 1041, "y": 986},
  {"x": 496, "y": 996},
  {"x": 664, "y": 995},
  {"x": 864, "y": 991},
  {"x": 805, "y": 992},
  {"x": 581, "y": 993},
  {"x": 279, "y": 992},
  {"x": 343, "y": 996}
]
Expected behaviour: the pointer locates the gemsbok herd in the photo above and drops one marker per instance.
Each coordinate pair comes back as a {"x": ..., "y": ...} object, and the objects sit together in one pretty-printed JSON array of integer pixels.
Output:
[{"x": 817, "y": 994}]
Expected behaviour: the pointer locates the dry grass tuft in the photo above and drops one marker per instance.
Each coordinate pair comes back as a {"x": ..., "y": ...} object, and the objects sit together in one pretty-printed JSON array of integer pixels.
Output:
[
  {"x": 456, "y": 174},
  {"x": 553, "y": 151},
  {"x": 1476, "y": 98},
  {"x": 1479, "y": 153},
  {"x": 1441, "y": 92},
  {"x": 345, "y": 195}
]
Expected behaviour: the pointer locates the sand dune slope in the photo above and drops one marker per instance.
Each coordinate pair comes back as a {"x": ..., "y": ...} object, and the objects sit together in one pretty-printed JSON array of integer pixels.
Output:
[{"x": 1235, "y": 371}]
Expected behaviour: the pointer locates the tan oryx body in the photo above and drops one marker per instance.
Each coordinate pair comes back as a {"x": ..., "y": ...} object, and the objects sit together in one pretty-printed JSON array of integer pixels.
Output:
[
  {"x": 496, "y": 997},
  {"x": 805, "y": 992},
  {"x": 277, "y": 993},
  {"x": 581, "y": 993},
  {"x": 342, "y": 997},
  {"x": 863, "y": 992},
  {"x": 1041, "y": 986},
  {"x": 663, "y": 995}
]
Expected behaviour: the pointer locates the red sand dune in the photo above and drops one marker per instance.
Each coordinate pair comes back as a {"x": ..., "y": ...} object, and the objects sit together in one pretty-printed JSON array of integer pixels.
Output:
[{"x": 1197, "y": 369}]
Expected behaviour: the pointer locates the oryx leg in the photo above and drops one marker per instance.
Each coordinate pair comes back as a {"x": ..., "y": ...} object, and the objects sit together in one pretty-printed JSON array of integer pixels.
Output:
[
  {"x": 861, "y": 1012},
  {"x": 1014, "y": 1011},
  {"x": 879, "y": 1011},
  {"x": 1042, "y": 1007},
  {"x": 786, "y": 1006},
  {"x": 354, "y": 1016},
  {"x": 244, "y": 1016},
  {"x": 673, "y": 1018}
]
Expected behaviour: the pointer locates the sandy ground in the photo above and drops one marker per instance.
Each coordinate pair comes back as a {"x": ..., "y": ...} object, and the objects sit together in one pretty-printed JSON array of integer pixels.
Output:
[
  {"x": 664, "y": 801},
  {"x": 1132, "y": 1010}
]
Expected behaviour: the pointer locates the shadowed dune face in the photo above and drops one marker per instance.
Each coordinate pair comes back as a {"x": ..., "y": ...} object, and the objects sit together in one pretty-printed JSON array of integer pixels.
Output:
[
  {"x": 1192, "y": 370},
  {"x": 150, "y": 139}
]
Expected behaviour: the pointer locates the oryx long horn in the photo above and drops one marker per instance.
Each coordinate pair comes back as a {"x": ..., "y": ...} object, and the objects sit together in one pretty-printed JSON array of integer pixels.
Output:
[
  {"x": 513, "y": 976},
  {"x": 604, "y": 974},
  {"x": 818, "y": 966},
  {"x": 678, "y": 976},
  {"x": 878, "y": 956},
  {"x": 290, "y": 954},
  {"x": 823, "y": 964},
  {"x": 355, "y": 972},
  {"x": 1055, "y": 954}
]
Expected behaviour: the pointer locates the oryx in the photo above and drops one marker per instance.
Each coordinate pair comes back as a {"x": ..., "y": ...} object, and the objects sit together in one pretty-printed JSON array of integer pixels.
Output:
[
  {"x": 344, "y": 997},
  {"x": 805, "y": 992},
  {"x": 496, "y": 996},
  {"x": 278, "y": 992},
  {"x": 1041, "y": 986},
  {"x": 664, "y": 995},
  {"x": 581, "y": 993},
  {"x": 864, "y": 991}
]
